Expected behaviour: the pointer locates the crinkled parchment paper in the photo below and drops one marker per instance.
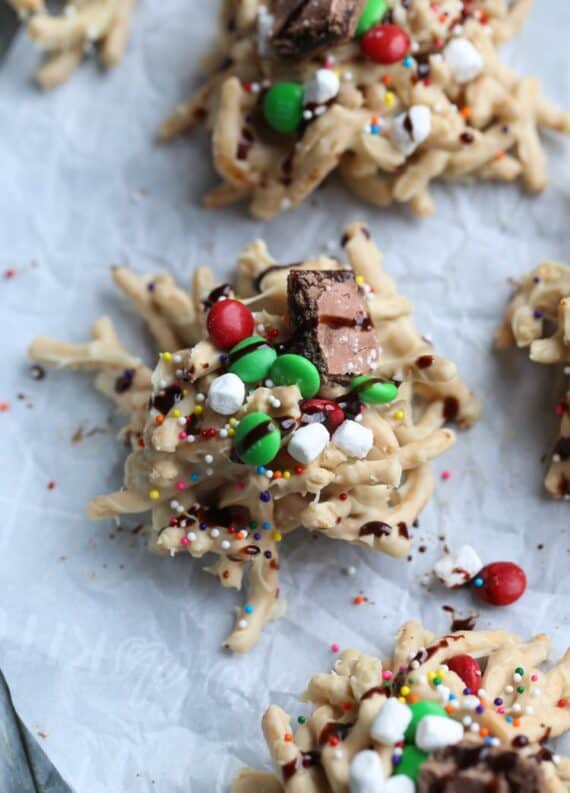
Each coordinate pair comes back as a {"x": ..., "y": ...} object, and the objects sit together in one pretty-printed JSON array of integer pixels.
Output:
[{"x": 114, "y": 656}]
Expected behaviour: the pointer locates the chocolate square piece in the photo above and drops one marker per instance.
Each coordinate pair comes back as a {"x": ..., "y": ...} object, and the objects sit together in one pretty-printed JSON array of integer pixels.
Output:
[
  {"x": 304, "y": 27},
  {"x": 332, "y": 325},
  {"x": 476, "y": 768}
]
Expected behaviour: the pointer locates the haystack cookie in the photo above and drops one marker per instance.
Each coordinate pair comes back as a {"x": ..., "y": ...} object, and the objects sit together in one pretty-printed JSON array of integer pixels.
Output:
[
  {"x": 82, "y": 27},
  {"x": 392, "y": 93},
  {"x": 538, "y": 317},
  {"x": 469, "y": 711},
  {"x": 309, "y": 401}
]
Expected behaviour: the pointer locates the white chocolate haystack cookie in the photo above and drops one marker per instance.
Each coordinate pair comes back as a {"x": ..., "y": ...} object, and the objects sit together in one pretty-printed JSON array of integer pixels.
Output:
[
  {"x": 311, "y": 401},
  {"x": 82, "y": 27},
  {"x": 415, "y": 91},
  {"x": 469, "y": 711},
  {"x": 538, "y": 318}
]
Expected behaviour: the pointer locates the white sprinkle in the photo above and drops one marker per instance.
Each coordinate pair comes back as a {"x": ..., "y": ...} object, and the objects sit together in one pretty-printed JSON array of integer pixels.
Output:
[
  {"x": 223, "y": 433},
  {"x": 225, "y": 544},
  {"x": 261, "y": 328},
  {"x": 509, "y": 689},
  {"x": 467, "y": 721},
  {"x": 517, "y": 708},
  {"x": 177, "y": 358},
  {"x": 191, "y": 536},
  {"x": 163, "y": 383},
  {"x": 181, "y": 421},
  {"x": 215, "y": 533},
  {"x": 190, "y": 439},
  {"x": 208, "y": 458},
  {"x": 242, "y": 624},
  {"x": 269, "y": 383},
  {"x": 529, "y": 710},
  {"x": 209, "y": 471},
  {"x": 269, "y": 474},
  {"x": 174, "y": 504},
  {"x": 475, "y": 727}
]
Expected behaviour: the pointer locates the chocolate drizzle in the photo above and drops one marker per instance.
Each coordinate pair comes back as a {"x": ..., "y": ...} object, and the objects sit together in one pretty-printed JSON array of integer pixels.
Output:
[
  {"x": 426, "y": 653},
  {"x": 334, "y": 729},
  {"x": 255, "y": 435},
  {"x": 224, "y": 290},
  {"x": 562, "y": 449},
  {"x": 166, "y": 398},
  {"x": 258, "y": 280},
  {"x": 450, "y": 408},
  {"x": 236, "y": 355},
  {"x": 124, "y": 381},
  {"x": 376, "y": 528}
]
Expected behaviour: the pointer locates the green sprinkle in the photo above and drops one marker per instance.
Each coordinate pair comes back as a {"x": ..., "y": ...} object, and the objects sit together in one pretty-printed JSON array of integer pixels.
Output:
[
  {"x": 437, "y": 681},
  {"x": 519, "y": 670},
  {"x": 520, "y": 689},
  {"x": 301, "y": 719},
  {"x": 253, "y": 524}
]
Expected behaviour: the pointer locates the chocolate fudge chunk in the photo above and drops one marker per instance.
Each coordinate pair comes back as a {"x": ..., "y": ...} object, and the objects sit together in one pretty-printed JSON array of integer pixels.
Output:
[
  {"x": 331, "y": 322},
  {"x": 476, "y": 768},
  {"x": 304, "y": 27}
]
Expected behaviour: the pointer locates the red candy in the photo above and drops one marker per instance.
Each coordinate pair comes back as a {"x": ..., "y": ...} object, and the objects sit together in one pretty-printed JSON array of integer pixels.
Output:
[
  {"x": 331, "y": 414},
  {"x": 468, "y": 670},
  {"x": 229, "y": 321},
  {"x": 502, "y": 583},
  {"x": 386, "y": 44}
]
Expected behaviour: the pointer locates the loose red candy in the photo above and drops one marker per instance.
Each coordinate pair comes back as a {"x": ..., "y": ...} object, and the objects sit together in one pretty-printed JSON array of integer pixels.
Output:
[
  {"x": 229, "y": 322},
  {"x": 386, "y": 44},
  {"x": 322, "y": 410},
  {"x": 500, "y": 583},
  {"x": 468, "y": 670}
]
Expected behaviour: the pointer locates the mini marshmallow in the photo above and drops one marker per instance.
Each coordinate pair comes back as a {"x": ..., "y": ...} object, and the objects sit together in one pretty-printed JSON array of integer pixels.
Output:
[
  {"x": 226, "y": 394},
  {"x": 323, "y": 87},
  {"x": 437, "y": 732},
  {"x": 459, "y": 567},
  {"x": 353, "y": 439},
  {"x": 400, "y": 784},
  {"x": 411, "y": 128},
  {"x": 308, "y": 442},
  {"x": 463, "y": 59},
  {"x": 366, "y": 773},
  {"x": 391, "y": 722}
]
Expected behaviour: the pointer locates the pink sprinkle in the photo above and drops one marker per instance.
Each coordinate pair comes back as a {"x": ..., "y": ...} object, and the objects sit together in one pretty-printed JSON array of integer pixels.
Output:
[
  {"x": 386, "y": 675},
  {"x": 446, "y": 475},
  {"x": 500, "y": 710},
  {"x": 182, "y": 436},
  {"x": 534, "y": 678},
  {"x": 335, "y": 647},
  {"x": 184, "y": 541},
  {"x": 181, "y": 486}
]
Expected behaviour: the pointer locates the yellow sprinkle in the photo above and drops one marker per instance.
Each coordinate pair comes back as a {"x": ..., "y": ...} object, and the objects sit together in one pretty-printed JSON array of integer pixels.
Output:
[
  {"x": 197, "y": 410},
  {"x": 404, "y": 691},
  {"x": 441, "y": 673},
  {"x": 233, "y": 422},
  {"x": 154, "y": 495},
  {"x": 402, "y": 700},
  {"x": 166, "y": 356},
  {"x": 359, "y": 280},
  {"x": 277, "y": 536},
  {"x": 399, "y": 415},
  {"x": 184, "y": 392},
  {"x": 231, "y": 433},
  {"x": 286, "y": 474},
  {"x": 431, "y": 675},
  {"x": 176, "y": 414},
  {"x": 389, "y": 99}
]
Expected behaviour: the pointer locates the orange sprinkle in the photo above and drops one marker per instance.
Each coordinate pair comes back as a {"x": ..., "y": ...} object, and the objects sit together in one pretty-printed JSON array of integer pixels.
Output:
[
  {"x": 159, "y": 420},
  {"x": 413, "y": 698},
  {"x": 500, "y": 154},
  {"x": 387, "y": 79},
  {"x": 278, "y": 475},
  {"x": 465, "y": 111},
  {"x": 4, "y": 407},
  {"x": 449, "y": 710},
  {"x": 374, "y": 120},
  {"x": 358, "y": 600},
  {"x": 483, "y": 732},
  {"x": 288, "y": 737},
  {"x": 517, "y": 723},
  {"x": 240, "y": 535}
]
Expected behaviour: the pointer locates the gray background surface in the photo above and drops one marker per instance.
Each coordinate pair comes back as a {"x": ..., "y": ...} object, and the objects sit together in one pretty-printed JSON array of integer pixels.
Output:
[{"x": 114, "y": 655}]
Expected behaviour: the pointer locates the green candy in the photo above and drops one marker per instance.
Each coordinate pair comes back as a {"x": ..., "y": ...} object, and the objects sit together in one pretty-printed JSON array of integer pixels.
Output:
[
  {"x": 295, "y": 370},
  {"x": 257, "y": 440},
  {"x": 411, "y": 762},
  {"x": 374, "y": 12},
  {"x": 251, "y": 359},
  {"x": 283, "y": 107},
  {"x": 377, "y": 393},
  {"x": 419, "y": 711}
]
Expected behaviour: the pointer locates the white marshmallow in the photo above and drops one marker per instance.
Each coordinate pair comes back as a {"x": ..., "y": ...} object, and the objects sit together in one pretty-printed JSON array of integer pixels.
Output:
[
  {"x": 391, "y": 722},
  {"x": 353, "y": 439},
  {"x": 226, "y": 394},
  {"x": 463, "y": 59},
  {"x": 323, "y": 87},
  {"x": 400, "y": 784},
  {"x": 308, "y": 442},
  {"x": 437, "y": 732},
  {"x": 411, "y": 128},
  {"x": 459, "y": 567},
  {"x": 366, "y": 773}
]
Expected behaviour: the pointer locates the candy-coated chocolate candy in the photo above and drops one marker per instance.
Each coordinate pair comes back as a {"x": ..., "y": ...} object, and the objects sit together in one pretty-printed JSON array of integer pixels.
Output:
[
  {"x": 373, "y": 391},
  {"x": 411, "y": 760},
  {"x": 419, "y": 711},
  {"x": 386, "y": 44},
  {"x": 283, "y": 107},
  {"x": 322, "y": 410},
  {"x": 292, "y": 369},
  {"x": 257, "y": 439},
  {"x": 500, "y": 583},
  {"x": 374, "y": 12},
  {"x": 229, "y": 321},
  {"x": 468, "y": 670},
  {"x": 251, "y": 359}
]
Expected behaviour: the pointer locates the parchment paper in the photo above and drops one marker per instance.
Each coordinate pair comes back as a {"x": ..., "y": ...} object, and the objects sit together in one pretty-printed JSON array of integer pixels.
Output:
[{"x": 114, "y": 656}]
